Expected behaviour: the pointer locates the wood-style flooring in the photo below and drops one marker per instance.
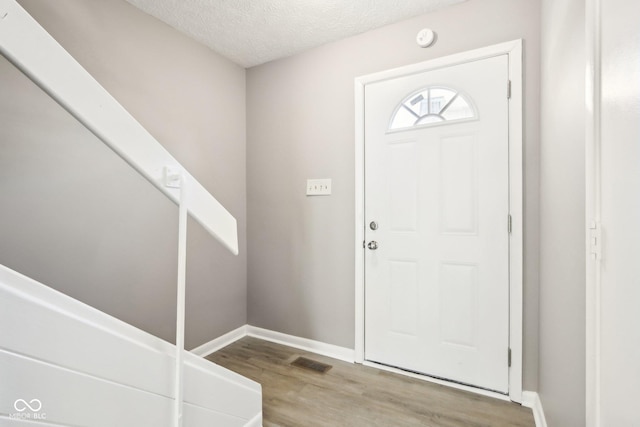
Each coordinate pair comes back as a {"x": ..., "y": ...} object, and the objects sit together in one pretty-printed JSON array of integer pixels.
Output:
[{"x": 353, "y": 395}]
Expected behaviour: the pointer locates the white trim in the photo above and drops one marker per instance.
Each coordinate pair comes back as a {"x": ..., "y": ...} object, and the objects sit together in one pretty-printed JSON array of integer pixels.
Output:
[
  {"x": 592, "y": 211},
  {"x": 531, "y": 399},
  {"x": 219, "y": 343},
  {"x": 514, "y": 51},
  {"x": 255, "y": 421},
  {"x": 329, "y": 350},
  {"x": 516, "y": 208},
  {"x": 359, "y": 209},
  {"x": 39, "y": 56},
  {"x": 475, "y": 390},
  {"x": 442, "y": 62}
]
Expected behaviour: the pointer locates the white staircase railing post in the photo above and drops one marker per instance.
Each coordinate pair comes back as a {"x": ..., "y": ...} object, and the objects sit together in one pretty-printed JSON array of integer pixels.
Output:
[{"x": 181, "y": 292}]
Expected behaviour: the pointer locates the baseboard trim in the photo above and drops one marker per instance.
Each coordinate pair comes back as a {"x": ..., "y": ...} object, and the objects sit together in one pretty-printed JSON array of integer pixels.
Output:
[
  {"x": 329, "y": 350},
  {"x": 222, "y": 341},
  {"x": 531, "y": 399}
]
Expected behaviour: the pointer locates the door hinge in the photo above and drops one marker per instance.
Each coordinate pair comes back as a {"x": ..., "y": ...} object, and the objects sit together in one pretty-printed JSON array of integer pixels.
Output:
[
  {"x": 508, "y": 89},
  {"x": 509, "y": 357},
  {"x": 595, "y": 240},
  {"x": 509, "y": 223}
]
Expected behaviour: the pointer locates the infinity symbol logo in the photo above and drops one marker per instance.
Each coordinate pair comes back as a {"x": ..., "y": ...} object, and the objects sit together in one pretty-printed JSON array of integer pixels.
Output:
[{"x": 21, "y": 405}]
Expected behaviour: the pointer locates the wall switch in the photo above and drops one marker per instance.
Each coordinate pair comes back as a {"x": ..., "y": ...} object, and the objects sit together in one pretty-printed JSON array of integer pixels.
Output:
[{"x": 318, "y": 187}]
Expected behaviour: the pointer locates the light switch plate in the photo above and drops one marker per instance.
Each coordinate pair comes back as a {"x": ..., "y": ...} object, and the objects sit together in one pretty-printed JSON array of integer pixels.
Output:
[{"x": 319, "y": 187}]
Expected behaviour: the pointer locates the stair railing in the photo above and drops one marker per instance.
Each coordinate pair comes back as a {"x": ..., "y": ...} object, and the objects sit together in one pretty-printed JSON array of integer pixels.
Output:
[{"x": 39, "y": 56}]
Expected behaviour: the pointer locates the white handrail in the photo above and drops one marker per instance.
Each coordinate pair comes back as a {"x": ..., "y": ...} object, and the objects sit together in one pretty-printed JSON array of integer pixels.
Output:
[{"x": 39, "y": 56}]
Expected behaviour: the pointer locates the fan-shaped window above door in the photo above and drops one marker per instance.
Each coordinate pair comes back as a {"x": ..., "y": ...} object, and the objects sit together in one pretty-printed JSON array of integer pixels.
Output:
[{"x": 431, "y": 106}]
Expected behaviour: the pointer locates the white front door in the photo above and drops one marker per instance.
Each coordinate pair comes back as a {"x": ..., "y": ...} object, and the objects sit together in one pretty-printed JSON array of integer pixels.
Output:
[{"x": 436, "y": 218}]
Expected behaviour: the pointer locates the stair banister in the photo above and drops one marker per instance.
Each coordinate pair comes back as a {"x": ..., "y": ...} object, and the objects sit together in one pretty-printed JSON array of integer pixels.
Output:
[{"x": 39, "y": 56}]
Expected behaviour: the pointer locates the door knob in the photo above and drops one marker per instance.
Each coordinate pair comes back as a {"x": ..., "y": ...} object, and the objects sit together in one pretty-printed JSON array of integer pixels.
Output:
[{"x": 373, "y": 245}]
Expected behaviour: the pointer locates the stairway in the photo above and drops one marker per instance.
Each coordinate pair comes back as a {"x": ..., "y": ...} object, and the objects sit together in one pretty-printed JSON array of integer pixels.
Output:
[{"x": 65, "y": 363}]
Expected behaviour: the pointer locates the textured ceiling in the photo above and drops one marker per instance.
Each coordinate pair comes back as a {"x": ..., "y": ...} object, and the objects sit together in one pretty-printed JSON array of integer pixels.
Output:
[{"x": 252, "y": 32}]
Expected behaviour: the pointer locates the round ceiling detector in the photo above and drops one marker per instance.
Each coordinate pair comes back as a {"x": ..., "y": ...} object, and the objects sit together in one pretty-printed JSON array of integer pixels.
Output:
[{"x": 426, "y": 37}]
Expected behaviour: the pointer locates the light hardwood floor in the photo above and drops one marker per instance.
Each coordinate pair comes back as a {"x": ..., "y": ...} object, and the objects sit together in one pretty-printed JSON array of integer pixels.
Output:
[{"x": 353, "y": 395}]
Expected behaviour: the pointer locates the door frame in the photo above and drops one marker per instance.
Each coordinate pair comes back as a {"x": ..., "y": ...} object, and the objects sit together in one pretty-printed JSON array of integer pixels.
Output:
[{"x": 513, "y": 50}]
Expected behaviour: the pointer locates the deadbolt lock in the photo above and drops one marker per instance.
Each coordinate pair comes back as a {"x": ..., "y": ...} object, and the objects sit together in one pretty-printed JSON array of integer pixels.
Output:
[{"x": 373, "y": 225}]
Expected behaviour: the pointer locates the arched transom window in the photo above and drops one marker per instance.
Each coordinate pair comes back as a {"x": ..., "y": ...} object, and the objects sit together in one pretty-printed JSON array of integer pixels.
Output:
[{"x": 433, "y": 105}]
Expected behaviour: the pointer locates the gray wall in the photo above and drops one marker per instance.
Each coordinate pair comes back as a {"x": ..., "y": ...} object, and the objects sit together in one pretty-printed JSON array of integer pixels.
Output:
[
  {"x": 562, "y": 210},
  {"x": 300, "y": 117},
  {"x": 77, "y": 218}
]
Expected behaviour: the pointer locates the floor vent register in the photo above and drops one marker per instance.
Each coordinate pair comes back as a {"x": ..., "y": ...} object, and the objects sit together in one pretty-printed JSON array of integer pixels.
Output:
[{"x": 312, "y": 365}]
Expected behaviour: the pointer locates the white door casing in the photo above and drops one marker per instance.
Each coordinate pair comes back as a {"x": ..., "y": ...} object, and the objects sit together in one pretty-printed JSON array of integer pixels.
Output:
[
  {"x": 412, "y": 158},
  {"x": 436, "y": 281}
]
